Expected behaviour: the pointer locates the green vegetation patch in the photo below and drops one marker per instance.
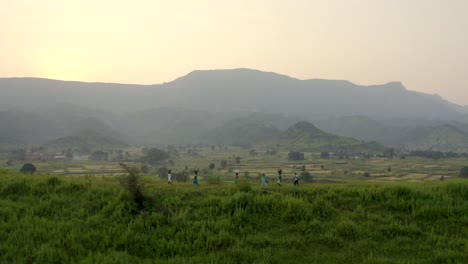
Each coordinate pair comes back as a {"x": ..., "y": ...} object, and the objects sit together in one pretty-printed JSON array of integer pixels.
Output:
[{"x": 46, "y": 219}]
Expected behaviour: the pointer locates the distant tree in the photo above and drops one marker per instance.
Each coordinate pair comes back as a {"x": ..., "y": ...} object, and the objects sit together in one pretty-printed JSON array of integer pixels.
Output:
[
  {"x": 464, "y": 171},
  {"x": 322, "y": 167},
  {"x": 389, "y": 169},
  {"x": 155, "y": 156},
  {"x": 211, "y": 166},
  {"x": 99, "y": 156},
  {"x": 253, "y": 152},
  {"x": 389, "y": 152},
  {"x": 213, "y": 147},
  {"x": 69, "y": 154},
  {"x": 181, "y": 176},
  {"x": 306, "y": 176},
  {"x": 271, "y": 152},
  {"x": 223, "y": 164},
  {"x": 162, "y": 172},
  {"x": 303, "y": 168},
  {"x": 145, "y": 168},
  {"x": 238, "y": 160},
  {"x": 325, "y": 155},
  {"x": 366, "y": 174},
  {"x": 84, "y": 150},
  {"x": 171, "y": 162}
]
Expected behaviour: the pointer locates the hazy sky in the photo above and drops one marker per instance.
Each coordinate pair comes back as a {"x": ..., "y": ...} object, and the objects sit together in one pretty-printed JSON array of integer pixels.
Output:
[{"x": 423, "y": 43}]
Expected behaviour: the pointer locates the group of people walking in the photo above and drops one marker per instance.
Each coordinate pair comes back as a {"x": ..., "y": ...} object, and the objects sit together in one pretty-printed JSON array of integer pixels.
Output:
[
  {"x": 280, "y": 179},
  {"x": 263, "y": 184}
]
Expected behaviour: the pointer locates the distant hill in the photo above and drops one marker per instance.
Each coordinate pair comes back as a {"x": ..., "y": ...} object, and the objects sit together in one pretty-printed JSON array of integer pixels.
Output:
[
  {"x": 244, "y": 132},
  {"x": 168, "y": 125},
  {"x": 22, "y": 128},
  {"x": 85, "y": 142},
  {"x": 359, "y": 127},
  {"x": 209, "y": 106},
  {"x": 238, "y": 90},
  {"x": 443, "y": 138},
  {"x": 304, "y": 136},
  {"x": 402, "y": 133}
]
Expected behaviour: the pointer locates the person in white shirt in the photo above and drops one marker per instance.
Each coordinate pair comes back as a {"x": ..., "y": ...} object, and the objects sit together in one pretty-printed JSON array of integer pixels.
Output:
[
  {"x": 296, "y": 179},
  {"x": 169, "y": 177}
]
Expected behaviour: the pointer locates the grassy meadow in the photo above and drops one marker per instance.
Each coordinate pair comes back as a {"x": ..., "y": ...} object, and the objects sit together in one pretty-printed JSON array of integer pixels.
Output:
[{"x": 93, "y": 219}]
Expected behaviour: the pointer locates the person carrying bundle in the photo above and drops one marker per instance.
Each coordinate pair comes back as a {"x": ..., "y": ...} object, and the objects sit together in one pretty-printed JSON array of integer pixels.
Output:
[
  {"x": 264, "y": 184},
  {"x": 279, "y": 177},
  {"x": 195, "y": 179}
]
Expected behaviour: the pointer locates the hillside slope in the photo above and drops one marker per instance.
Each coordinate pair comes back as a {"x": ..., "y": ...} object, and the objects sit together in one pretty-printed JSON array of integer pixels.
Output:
[{"x": 304, "y": 136}]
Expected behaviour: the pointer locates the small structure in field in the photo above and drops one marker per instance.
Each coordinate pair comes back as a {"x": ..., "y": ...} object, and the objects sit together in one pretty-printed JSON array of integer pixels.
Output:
[{"x": 294, "y": 155}]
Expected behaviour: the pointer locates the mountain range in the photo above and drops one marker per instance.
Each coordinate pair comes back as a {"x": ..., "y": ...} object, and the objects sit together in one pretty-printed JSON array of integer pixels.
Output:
[{"x": 238, "y": 107}]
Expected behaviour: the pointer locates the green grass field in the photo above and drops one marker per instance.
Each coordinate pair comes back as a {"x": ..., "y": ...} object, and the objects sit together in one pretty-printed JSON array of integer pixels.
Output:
[{"x": 60, "y": 219}]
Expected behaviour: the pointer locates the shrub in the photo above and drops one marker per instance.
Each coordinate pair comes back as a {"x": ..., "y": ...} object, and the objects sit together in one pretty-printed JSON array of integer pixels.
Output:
[
  {"x": 214, "y": 179},
  {"x": 132, "y": 183},
  {"x": 244, "y": 185},
  {"x": 347, "y": 229},
  {"x": 306, "y": 176},
  {"x": 223, "y": 164}
]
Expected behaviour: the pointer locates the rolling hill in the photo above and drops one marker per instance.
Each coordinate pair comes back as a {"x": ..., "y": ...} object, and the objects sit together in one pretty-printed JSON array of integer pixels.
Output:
[
  {"x": 22, "y": 128},
  {"x": 442, "y": 138},
  {"x": 243, "y": 132},
  {"x": 304, "y": 136},
  {"x": 84, "y": 142},
  {"x": 211, "y": 106}
]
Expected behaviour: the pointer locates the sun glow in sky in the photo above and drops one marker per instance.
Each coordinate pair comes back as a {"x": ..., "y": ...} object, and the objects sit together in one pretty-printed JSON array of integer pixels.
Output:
[{"x": 423, "y": 43}]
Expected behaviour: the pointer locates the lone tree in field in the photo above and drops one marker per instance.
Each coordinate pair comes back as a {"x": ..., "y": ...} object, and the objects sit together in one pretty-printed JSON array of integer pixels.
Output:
[
  {"x": 325, "y": 155},
  {"x": 223, "y": 164},
  {"x": 237, "y": 160},
  {"x": 464, "y": 171},
  {"x": 211, "y": 166}
]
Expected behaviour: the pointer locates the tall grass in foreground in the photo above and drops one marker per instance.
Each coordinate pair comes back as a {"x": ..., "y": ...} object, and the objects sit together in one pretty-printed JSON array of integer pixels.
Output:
[{"x": 45, "y": 219}]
